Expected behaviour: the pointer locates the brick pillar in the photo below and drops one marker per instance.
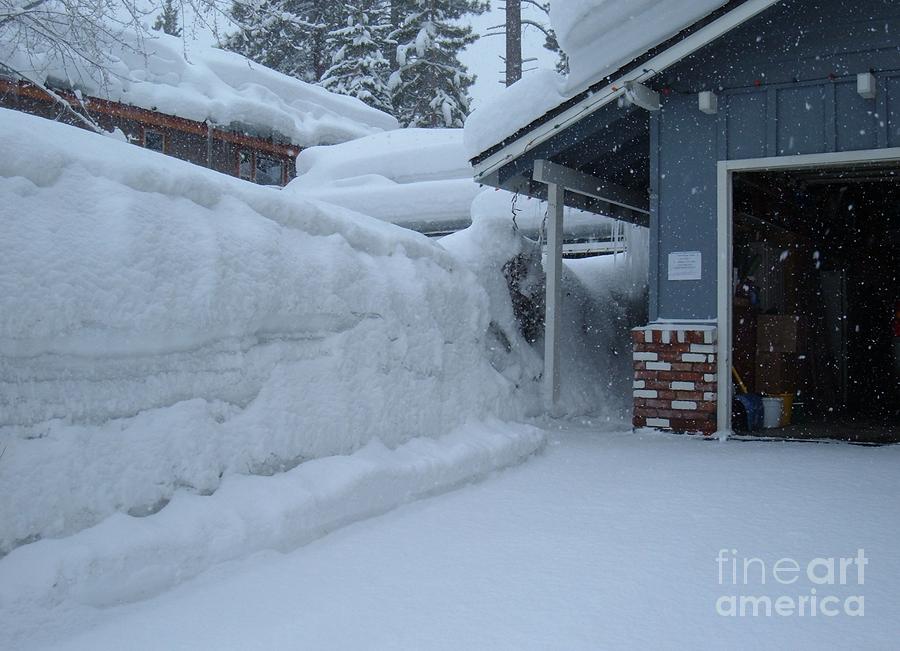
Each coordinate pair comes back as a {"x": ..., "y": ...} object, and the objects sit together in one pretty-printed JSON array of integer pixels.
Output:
[{"x": 675, "y": 378}]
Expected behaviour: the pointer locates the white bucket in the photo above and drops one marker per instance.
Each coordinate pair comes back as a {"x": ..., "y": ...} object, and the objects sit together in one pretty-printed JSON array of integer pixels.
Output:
[{"x": 771, "y": 412}]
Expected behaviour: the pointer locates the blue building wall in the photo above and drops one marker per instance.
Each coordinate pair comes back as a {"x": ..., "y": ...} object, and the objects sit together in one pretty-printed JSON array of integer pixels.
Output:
[{"x": 786, "y": 83}]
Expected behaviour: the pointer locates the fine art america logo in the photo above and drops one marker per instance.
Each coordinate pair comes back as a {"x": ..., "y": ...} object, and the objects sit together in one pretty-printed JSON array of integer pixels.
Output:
[{"x": 786, "y": 587}]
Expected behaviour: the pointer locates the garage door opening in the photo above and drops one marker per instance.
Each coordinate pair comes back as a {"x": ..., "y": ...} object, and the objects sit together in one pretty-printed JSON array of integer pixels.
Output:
[{"x": 815, "y": 298}]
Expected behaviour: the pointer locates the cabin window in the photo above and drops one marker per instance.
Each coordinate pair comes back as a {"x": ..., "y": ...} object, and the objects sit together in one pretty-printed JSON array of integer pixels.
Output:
[
  {"x": 155, "y": 140},
  {"x": 269, "y": 171},
  {"x": 245, "y": 164},
  {"x": 259, "y": 168}
]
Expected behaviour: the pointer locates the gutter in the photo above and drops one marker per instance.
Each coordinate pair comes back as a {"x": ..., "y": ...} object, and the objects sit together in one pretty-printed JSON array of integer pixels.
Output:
[{"x": 616, "y": 88}]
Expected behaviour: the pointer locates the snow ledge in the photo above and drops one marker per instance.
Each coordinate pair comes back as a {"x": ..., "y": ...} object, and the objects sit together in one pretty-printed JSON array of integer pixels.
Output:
[{"x": 125, "y": 559}]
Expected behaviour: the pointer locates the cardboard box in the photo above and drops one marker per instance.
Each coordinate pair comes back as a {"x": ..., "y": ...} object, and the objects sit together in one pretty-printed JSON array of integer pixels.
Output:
[
  {"x": 780, "y": 333},
  {"x": 777, "y": 373}
]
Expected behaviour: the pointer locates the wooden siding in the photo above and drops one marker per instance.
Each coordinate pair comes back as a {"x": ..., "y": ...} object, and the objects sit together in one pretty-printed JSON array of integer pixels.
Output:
[{"x": 186, "y": 139}]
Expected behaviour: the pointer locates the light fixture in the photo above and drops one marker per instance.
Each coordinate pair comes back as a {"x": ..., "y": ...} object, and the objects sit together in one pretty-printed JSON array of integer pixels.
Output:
[
  {"x": 865, "y": 85},
  {"x": 642, "y": 96},
  {"x": 709, "y": 102}
]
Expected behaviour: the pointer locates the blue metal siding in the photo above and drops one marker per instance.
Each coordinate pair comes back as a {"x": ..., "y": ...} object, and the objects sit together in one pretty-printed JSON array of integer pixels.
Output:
[
  {"x": 745, "y": 120},
  {"x": 687, "y": 205},
  {"x": 786, "y": 86},
  {"x": 800, "y": 120},
  {"x": 856, "y": 118},
  {"x": 892, "y": 100}
]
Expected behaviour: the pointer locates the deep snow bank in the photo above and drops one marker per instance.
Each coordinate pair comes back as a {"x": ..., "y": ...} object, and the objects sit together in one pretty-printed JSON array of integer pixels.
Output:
[{"x": 163, "y": 326}]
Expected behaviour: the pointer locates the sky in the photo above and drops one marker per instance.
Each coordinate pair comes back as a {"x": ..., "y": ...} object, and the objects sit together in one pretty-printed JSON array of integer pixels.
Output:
[{"x": 483, "y": 57}]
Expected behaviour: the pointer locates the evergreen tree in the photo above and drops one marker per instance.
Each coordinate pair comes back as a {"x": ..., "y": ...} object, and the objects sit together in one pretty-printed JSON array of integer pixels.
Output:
[
  {"x": 430, "y": 86},
  {"x": 286, "y": 35},
  {"x": 167, "y": 21},
  {"x": 359, "y": 67}
]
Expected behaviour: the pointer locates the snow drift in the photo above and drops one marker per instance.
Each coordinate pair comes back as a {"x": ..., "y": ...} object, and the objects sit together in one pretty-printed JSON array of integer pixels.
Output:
[{"x": 162, "y": 326}]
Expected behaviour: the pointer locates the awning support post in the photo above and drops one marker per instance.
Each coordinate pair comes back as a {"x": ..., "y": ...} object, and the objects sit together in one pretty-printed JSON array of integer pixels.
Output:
[{"x": 553, "y": 302}]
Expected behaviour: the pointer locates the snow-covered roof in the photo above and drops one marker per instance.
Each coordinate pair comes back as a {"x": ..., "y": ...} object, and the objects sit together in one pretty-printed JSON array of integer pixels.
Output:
[
  {"x": 415, "y": 178},
  {"x": 599, "y": 36},
  {"x": 180, "y": 78},
  {"x": 419, "y": 179}
]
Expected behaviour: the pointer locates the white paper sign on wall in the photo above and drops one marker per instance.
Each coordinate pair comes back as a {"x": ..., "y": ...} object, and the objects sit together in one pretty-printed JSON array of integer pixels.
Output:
[{"x": 685, "y": 265}]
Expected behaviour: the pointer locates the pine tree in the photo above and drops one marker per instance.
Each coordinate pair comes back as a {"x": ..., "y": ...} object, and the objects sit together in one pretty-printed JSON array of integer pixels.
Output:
[
  {"x": 430, "y": 86},
  {"x": 286, "y": 35},
  {"x": 359, "y": 67},
  {"x": 167, "y": 21},
  {"x": 516, "y": 23}
]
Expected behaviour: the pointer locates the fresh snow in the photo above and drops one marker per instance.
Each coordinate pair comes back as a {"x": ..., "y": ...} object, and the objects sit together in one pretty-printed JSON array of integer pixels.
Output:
[
  {"x": 178, "y": 77},
  {"x": 599, "y": 36},
  {"x": 604, "y": 540}
]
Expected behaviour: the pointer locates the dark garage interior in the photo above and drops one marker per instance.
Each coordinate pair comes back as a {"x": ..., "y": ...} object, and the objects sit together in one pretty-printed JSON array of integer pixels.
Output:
[{"x": 816, "y": 320}]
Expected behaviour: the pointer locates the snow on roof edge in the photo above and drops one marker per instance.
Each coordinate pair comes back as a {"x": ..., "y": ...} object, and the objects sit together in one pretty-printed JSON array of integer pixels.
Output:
[
  {"x": 174, "y": 77},
  {"x": 484, "y": 125}
]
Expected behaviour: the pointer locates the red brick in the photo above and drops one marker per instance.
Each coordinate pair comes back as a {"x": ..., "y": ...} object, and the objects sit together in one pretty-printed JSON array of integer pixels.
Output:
[
  {"x": 692, "y": 425},
  {"x": 648, "y": 375},
  {"x": 640, "y": 366},
  {"x": 652, "y": 403},
  {"x": 695, "y": 336},
  {"x": 670, "y": 413},
  {"x": 686, "y": 376},
  {"x": 688, "y": 395},
  {"x": 705, "y": 368}
]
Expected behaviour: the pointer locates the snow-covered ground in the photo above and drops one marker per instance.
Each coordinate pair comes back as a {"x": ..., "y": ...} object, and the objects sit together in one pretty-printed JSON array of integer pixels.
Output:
[{"x": 603, "y": 540}]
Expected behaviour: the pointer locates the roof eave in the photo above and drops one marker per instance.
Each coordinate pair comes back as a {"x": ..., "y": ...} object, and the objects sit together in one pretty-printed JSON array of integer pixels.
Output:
[{"x": 594, "y": 99}]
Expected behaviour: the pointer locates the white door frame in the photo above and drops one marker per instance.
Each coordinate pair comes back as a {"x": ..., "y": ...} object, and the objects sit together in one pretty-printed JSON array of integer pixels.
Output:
[{"x": 725, "y": 242}]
